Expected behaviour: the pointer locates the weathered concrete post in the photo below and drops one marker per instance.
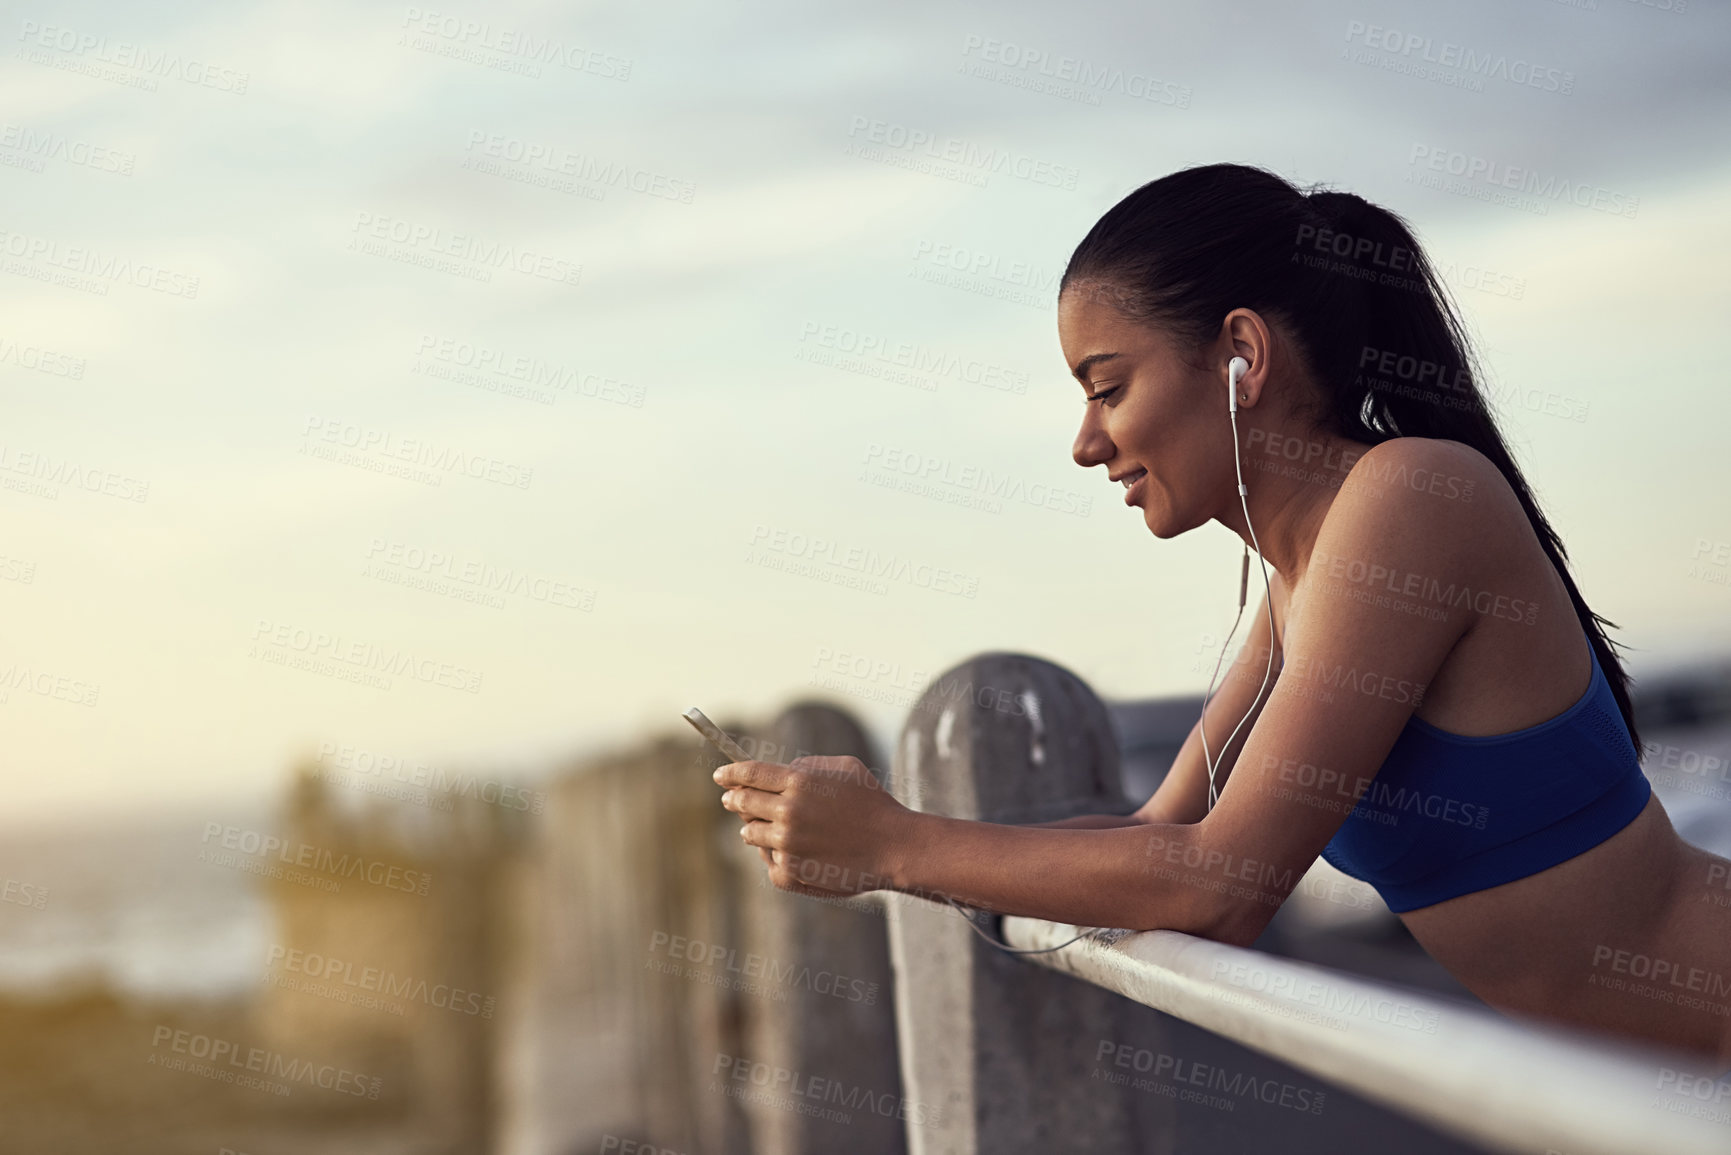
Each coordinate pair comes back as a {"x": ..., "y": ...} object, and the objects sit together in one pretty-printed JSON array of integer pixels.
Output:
[
  {"x": 826, "y": 1013},
  {"x": 999, "y": 1055}
]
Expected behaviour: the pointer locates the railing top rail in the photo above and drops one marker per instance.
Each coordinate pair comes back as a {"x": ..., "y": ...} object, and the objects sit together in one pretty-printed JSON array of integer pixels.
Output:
[{"x": 1506, "y": 1085}]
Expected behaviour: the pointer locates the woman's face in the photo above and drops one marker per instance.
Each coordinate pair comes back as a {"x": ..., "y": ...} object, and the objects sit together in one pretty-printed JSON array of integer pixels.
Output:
[{"x": 1160, "y": 422}]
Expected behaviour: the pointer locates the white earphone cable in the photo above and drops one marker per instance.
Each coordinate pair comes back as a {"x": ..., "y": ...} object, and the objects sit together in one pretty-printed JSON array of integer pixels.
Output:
[{"x": 1238, "y": 468}]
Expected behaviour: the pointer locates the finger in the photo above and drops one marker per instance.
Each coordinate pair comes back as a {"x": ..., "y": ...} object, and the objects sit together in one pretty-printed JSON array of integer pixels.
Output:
[
  {"x": 757, "y": 775},
  {"x": 760, "y": 833},
  {"x": 759, "y": 804}
]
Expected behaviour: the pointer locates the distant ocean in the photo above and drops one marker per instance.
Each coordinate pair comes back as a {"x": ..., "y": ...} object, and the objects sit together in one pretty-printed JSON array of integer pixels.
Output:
[{"x": 129, "y": 907}]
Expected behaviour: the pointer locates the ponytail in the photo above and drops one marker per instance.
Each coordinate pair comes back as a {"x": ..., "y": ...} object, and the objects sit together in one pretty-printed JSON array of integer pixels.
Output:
[{"x": 1351, "y": 285}]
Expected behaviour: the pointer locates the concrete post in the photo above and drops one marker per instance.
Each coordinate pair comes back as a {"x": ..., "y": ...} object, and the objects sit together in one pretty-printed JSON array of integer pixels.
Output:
[{"x": 998, "y": 1055}]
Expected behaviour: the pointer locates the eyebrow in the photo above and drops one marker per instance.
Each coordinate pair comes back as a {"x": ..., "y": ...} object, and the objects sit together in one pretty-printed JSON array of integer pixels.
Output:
[{"x": 1087, "y": 363}]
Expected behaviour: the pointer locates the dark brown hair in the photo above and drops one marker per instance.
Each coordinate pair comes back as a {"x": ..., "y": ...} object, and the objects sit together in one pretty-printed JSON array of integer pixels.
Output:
[{"x": 1348, "y": 282}]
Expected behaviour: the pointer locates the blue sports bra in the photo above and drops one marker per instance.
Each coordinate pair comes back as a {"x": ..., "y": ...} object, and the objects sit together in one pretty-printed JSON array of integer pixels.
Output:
[{"x": 1449, "y": 814}]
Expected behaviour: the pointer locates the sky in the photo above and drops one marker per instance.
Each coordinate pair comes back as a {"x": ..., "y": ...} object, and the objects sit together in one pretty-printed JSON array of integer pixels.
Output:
[{"x": 480, "y": 387}]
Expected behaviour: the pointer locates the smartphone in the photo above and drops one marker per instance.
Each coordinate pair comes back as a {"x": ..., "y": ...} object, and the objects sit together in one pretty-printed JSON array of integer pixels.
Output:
[
  {"x": 718, "y": 737},
  {"x": 715, "y": 735}
]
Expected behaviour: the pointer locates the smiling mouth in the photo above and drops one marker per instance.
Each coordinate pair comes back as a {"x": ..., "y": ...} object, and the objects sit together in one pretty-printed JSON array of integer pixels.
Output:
[{"x": 1130, "y": 479}]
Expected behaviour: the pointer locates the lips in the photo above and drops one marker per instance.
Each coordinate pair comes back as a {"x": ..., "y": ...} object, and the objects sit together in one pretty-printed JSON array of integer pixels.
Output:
[{"x": 1132, "y": 483}]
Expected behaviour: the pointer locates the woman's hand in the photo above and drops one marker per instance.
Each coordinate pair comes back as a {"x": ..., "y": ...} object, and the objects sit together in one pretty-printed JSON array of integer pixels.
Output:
[{"x": 824, "y": 825}]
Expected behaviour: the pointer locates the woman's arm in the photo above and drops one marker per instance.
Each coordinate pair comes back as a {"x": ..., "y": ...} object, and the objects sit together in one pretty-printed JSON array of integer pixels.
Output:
[
  {"x": 1182, "y": 796},
  {"x": 1088, "y": 877},
  {"x": 1090, "y": 822},
  {"x": 1356, "y": 668}
]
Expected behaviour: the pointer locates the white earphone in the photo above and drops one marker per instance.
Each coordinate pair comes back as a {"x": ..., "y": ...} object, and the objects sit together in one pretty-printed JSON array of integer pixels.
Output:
[{"x": 1235, "y": 369}]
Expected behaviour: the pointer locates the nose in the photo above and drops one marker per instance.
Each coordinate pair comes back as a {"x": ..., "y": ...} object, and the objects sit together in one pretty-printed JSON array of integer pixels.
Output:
[{"x": 1092, "y": 447}]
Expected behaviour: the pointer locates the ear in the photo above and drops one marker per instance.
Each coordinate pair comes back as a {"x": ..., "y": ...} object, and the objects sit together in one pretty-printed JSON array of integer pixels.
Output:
[{"x": 1245, "y": 334}]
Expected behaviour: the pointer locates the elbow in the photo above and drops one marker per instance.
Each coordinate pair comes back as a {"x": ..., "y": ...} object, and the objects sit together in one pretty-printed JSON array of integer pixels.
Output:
[{"x": 1235, "y": 921}]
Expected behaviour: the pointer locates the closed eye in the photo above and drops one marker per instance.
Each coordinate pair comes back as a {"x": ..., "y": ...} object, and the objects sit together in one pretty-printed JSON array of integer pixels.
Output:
[{"x": 1103, "y": 394}]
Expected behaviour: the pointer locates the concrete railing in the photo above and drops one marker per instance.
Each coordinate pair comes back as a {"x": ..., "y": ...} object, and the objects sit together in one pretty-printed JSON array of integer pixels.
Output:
[
  {"x": 1024, "y": 1058},
  {"x": 657, "y": 993},
  {"x": 1509, "y": 1086}
]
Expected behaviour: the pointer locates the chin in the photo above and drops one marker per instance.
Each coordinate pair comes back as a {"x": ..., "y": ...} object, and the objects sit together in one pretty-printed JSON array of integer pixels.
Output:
[
  {"x": 1162, "y": 524},
  {"x": 1165, "y": 524}
]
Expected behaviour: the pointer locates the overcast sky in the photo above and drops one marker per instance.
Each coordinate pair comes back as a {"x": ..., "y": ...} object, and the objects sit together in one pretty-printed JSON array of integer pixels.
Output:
[{"x": 321, "y": 323}]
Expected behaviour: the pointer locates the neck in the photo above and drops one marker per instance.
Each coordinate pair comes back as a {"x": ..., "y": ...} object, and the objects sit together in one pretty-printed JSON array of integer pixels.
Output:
[{"x": 1289, "y": 493}]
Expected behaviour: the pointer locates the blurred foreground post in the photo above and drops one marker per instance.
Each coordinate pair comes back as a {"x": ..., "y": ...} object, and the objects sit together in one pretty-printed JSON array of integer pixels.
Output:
[
  {"x": 663, "y": 992},
  {"x": 828, "y": 1018},
  {"x": 998, "y": 1055}
]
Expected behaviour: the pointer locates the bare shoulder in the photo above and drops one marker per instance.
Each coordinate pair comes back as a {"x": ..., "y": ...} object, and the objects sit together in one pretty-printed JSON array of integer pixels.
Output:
[
  {"x": 1431, "y": 495},
  {"x": 1430, "y": 467},
  {"x": 1416, "y": 514}
]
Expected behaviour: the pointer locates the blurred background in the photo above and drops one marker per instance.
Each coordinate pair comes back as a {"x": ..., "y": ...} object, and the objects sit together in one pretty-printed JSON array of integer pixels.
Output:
[{"x": 408, "y": 411}]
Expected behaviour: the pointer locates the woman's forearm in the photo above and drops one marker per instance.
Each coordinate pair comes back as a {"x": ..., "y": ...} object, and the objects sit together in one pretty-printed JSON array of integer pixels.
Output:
[
  {"x": 1088, "y": 822},
  {"x": 1087, "y": 877}
]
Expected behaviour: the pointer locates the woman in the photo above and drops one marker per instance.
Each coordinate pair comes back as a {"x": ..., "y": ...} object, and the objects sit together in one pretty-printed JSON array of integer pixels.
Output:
[{"x": 1447, "y": 719}]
